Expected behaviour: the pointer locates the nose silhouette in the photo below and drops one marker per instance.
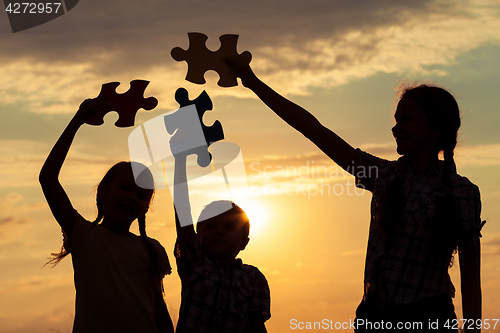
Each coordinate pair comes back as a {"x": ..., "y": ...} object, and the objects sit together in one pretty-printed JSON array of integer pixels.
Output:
[{"x": 395, "y": 130}]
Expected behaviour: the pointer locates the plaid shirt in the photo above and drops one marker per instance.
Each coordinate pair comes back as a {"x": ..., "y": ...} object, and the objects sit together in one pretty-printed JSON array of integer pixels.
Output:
[
  {"x": 407, "y": 269},
  {"x": 215, "y": 299}
]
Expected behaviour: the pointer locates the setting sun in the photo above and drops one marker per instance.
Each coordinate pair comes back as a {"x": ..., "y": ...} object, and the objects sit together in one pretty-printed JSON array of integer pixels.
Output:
[{"x": 257, "y": 213}]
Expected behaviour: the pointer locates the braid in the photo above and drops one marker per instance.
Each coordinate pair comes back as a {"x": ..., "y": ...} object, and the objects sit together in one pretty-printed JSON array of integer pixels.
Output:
[
  {"x": 152, "y": 251},
  {"x": 447, "y": 228}
]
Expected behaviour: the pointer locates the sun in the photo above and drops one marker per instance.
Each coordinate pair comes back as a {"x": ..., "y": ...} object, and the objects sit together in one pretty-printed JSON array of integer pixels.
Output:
[{"x": 257, "y": 214}]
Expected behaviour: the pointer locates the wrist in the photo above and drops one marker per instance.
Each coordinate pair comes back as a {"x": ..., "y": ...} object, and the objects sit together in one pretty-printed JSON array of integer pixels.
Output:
[
  {"x": 251, "y": 81},
  {"x": 77, "y": 121}
]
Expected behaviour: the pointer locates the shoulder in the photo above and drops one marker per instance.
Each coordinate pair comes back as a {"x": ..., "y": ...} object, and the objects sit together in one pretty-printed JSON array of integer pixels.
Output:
[
  {"x": 365, "y": 158},
  {"x": 157, "y": 245},
  {"x": 468, "y": 199},
  {"x": 162, "y": 256},
  {"x": 372, "y": 171},
  {"x": 463, "y": 188},
  {"x": 81, "y": 224},
  {"x": 253, "y": 272}
]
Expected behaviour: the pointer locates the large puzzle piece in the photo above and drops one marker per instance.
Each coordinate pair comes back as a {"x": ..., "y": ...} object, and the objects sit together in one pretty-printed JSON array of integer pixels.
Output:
[
  {"x": 126, "y": 104},
  {"x": 191, "y": 124},
  {"x": 200, "y": 59}
]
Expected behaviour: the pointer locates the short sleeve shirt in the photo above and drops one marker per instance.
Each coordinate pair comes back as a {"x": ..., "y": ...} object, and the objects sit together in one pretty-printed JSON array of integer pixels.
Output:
[
  {"x": 409, "y": 270},
  {"x": 113, "y": 280},
  {"x": 215, "y": 299}
]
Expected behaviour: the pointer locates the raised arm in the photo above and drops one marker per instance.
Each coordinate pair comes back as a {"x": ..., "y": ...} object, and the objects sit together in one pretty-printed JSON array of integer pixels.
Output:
[
  {"x": 330, "y": 143},
  {"x": 56, "y": 197},
  {"x": 181, "y": 203}
]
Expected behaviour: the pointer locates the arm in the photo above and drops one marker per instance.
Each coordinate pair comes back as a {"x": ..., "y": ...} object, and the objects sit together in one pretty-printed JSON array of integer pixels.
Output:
[
  {"x": 181, "y": 201},
  {"x": 56, "y": 197},
  {"x": 330, "y": 143},
  {"x": 470, "y": 273},
  {"x": 256, "y": 323}
]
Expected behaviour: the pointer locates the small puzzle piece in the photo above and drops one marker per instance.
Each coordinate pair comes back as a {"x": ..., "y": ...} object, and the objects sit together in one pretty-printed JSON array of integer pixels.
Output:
[
  {"x": 188, "y": 126},
  {"x": 126, "y": 104},
  {"x": 200, "y": 59}
]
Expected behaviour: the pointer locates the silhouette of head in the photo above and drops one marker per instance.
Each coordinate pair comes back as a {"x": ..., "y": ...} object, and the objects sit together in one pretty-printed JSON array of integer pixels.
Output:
[
  {"x": 123, "y": 171},
  {"x": 225, "y": 234},
  {"x": 118, "y": 192},
  {"x": 441, "y": 114}
]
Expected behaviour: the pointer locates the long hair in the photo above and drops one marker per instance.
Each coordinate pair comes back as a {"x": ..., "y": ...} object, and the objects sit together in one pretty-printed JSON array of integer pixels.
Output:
[
  {"x": 108, "y": 178},
  {"x": 443, "y": 114}
]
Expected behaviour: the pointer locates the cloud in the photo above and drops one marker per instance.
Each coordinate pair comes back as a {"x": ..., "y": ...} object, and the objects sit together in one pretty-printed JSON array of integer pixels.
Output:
[
  {"x": 478, "y": 155},
  {"x": 15, "y": 203},
  {"x": 35, "y": 283},
  {"x": 23, "y": 159},
  {"x": 295, "y": 45},
  {"x": 490, "y": 244},
  {"x": 315, "y": 173},
  {"x": 12, "y": 219}
]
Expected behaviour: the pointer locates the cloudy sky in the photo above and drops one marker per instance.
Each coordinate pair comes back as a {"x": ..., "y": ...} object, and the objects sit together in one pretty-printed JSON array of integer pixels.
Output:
[{"x": 341, "y": 60}]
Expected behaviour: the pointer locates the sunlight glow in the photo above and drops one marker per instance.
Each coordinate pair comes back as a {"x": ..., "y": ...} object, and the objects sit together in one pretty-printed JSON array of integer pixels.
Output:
[{"x": 257, "y": 213}]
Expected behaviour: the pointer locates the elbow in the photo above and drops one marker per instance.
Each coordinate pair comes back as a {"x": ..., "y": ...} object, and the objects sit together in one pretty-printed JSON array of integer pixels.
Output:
[
  {"x": 45, "y": 179},
  {"x": 42, "y": 179}
]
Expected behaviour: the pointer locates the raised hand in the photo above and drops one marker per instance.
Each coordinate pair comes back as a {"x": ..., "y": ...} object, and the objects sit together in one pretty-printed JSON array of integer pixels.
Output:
[
  {"x": 91, "y": 107},
  {"x": 241, "y": 69}
]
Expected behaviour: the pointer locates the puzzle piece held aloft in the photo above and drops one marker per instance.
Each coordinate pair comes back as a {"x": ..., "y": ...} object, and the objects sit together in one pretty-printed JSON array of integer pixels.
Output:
[
  {"x": 193, "y": 126},
  {"x": 200, "y": 59},
  {"x": 126, "y": 104}
]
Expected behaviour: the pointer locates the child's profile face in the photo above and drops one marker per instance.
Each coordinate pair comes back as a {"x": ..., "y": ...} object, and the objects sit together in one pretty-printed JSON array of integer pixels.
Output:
[
  {"x": 412, "y": 130},
  {"x": 223, "y": 236}
]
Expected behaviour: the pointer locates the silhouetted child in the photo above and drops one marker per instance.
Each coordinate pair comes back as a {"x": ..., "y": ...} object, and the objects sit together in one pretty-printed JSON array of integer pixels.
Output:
[
  {"x": 422, "y": 211},
  {"x": 219, "y": 292},
  {"x": 118, "y": 275}
]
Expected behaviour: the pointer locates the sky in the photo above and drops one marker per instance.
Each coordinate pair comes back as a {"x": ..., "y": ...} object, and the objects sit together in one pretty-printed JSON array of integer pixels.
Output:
[{"x": 341, "y": 60}]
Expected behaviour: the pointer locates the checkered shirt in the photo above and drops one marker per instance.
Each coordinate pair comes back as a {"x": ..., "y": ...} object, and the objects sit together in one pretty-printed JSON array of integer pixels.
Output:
[
  {"x": 215, "y": 299},
  {"x": 408, "y": 269}
]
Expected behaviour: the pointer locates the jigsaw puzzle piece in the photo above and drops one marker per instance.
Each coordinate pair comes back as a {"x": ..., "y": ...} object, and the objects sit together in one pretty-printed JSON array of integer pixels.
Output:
[
  {"x": 192, "y": 136},
  {"x": 188, "y": 138},
  {"x": 200, "y": 59},
  {"x": 203, "y": 103},
  {"x": 126, "y": 104}
]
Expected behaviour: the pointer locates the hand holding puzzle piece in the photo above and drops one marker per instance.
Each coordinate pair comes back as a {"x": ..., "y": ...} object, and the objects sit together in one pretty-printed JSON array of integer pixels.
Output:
[
  {"x": 126, "y": 104},
  {"x": 200, "y": 59}
]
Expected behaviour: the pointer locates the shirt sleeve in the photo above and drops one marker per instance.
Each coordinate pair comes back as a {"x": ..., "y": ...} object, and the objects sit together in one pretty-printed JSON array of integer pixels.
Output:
[
  {"x": 368, "y": 170},
  {"x": 260, "y": 301},
  {"x": 470, "y": 211},
  {"x": 81, "y": 229},
  {"x": 163, "y": 261}
]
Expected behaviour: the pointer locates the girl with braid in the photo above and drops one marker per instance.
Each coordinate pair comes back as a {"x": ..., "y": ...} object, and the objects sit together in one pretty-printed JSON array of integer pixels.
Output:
[
  {"x": 118, "y": 275},
  {"x": 422, "y": 211}
]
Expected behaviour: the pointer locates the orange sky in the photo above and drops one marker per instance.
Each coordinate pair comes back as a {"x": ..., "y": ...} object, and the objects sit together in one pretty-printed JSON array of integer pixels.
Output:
[{"x": 340, "y": 61}]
